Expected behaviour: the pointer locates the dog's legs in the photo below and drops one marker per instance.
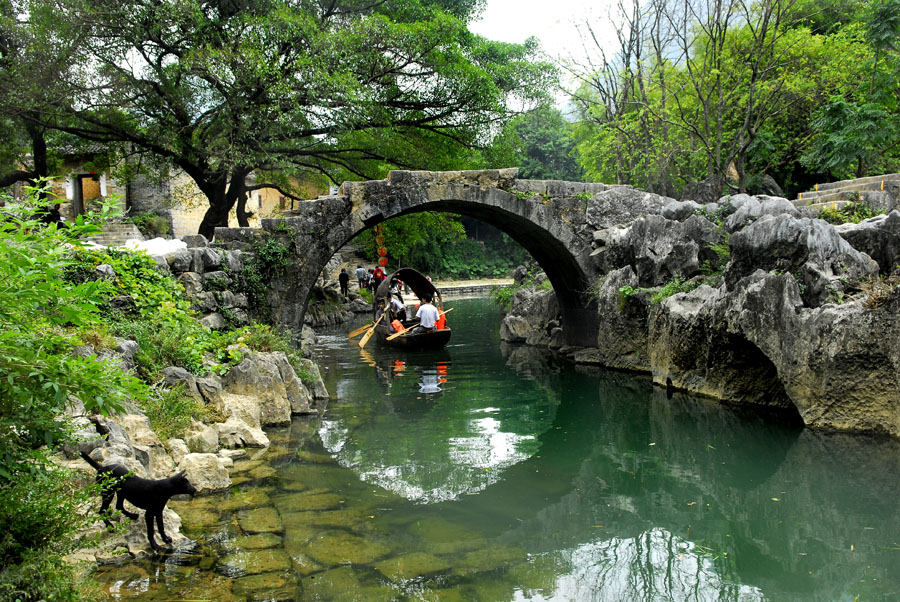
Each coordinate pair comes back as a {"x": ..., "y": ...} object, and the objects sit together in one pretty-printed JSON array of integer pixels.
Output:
[
  {"x": 120, "y": 506},
  {"x": 161, "y": 528},
  {"x": 149, "y": 518},
  {"x": 107, "y": 500}
]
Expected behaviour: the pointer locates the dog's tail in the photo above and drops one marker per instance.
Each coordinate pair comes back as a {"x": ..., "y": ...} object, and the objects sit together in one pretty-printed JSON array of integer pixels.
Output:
[{"x": 91, "y": 461}]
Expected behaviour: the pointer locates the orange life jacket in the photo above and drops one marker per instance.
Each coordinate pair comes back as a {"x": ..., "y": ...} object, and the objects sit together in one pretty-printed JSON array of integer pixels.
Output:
[{"x": 397, "y": 325}]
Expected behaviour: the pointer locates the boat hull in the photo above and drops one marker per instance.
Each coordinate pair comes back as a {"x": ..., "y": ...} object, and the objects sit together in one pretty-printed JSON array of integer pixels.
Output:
[{"x": 412, "y": 341}]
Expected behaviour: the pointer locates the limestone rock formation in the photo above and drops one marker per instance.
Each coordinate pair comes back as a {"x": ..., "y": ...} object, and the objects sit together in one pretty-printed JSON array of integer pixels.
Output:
[
  {"x": 878, "y": 237},
  {"x": 620, "y": 206},
  {"x": 206, "y": 472},
  {"x": 657, "y": 248},
  {"x": 809, "y": 249}
]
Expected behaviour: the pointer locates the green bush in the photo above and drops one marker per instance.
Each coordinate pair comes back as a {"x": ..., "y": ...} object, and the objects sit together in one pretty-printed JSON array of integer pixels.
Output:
[
  {"x": 849, "y": 213},
  {"x": 151, "y": 224},
  {"x": 41, "y": 315}
]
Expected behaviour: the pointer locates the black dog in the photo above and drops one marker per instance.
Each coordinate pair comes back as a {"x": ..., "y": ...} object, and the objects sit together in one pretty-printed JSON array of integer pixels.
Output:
[{"x": 151, "y": 496}]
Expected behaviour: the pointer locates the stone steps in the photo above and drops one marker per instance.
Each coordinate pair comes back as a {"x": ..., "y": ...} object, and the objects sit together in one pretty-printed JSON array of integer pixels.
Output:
[
  {"x": 116, "y": 235},
  {"x": 846, "y": 190}
]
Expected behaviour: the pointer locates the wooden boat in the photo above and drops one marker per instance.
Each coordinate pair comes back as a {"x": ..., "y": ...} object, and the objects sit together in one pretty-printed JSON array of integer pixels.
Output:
[{"x": 421, "y": 286}]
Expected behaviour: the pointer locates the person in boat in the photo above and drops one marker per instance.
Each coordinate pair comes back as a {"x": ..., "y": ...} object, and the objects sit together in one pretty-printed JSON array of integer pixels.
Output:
[
  {"x": 398, "y": 310},
  {"x": 380, "y": 311},
  {"x": 427, "y": 314}
]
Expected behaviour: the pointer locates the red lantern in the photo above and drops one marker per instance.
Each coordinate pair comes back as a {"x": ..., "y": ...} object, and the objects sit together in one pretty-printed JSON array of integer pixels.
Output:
[
  {"x": 383, "y": 262},
  {"x": 382, "y": 251},
  {"x": 379, "y": 240}
]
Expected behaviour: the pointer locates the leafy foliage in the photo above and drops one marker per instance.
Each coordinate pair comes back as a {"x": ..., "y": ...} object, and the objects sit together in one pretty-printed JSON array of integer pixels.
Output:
[
  {"x": 346, "y": 90},
  {"x": 849, "y": 213},
  {"x": 151, "y": 224}
]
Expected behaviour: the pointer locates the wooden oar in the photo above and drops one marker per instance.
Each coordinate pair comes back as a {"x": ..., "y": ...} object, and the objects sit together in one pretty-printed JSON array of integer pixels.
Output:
[
  {"x": 368, "y": 335},
  {"x": 359, "y": 331},
  {"x": 405, "y": 330}
]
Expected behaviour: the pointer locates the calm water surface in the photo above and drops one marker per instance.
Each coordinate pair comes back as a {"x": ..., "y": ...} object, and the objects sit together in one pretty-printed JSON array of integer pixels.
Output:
[{"x": 494, "y": 473}]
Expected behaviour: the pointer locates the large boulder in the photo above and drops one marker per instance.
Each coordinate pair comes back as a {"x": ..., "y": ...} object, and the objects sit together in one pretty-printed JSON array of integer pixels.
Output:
[
  {"x": 878, "y": 237},
  {"x": 205, "y": 472},
  {"x": 811, "y": 250},
  {"x": 622, "y": 332},
  {"x": 529, "y": 318},
  {"x": 658, "y": 249},
  {"x": 259, "y": 376},
  {"x": 201, "y": 438},
  {"x": 691, "y": 348},
  {"x": 839, "y": 364},
  {"x": 147, "y": 446},
  {"x": 242, "y": 429},
  {"x": 747, "y": 209},
  {"x": 620, "y": 206}
]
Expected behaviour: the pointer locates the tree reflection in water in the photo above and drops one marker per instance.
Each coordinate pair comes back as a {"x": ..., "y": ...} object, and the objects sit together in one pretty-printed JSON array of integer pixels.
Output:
[{"x": 656, "y": 565}]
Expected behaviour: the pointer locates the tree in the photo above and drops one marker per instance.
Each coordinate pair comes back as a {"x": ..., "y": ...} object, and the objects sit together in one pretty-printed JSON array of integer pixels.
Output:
[
  {"x": 545, "y": 147},
  {"x": 223, "y": 88},
  {"x": 689, "y": 89}
]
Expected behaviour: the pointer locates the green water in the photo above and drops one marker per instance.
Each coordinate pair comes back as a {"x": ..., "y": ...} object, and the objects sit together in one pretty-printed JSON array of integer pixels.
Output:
[{"x": 487, "y": 472}]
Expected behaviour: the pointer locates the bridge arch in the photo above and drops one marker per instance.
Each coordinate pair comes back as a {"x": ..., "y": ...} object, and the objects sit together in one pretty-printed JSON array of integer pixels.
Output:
[{"x": 547, "y": 218}]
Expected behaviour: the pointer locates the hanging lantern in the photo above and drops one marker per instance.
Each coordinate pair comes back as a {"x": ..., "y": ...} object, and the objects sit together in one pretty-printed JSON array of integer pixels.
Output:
[
  {"x": 383, "y": 262},
  {"x": 382, "y": 251},
  {"x": 379, "y": 240}
]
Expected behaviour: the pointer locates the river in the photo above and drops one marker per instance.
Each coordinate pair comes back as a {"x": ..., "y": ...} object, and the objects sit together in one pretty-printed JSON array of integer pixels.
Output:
[{"x": 495, "y": 473}]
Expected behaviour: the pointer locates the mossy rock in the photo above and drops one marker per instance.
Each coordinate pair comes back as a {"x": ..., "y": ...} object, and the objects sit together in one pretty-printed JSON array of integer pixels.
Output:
[
  {"x": 261, "y": 473},
  {"x": 196, "y": 517},
  {"x": 539, "y": 574},
  {"x": 240, "y": 479},
  {"x": 260, "y": 520},
  {"x": 292, "y": 485},
  {"x": 298, "y": 533},
  {"x": 316, "y": 475},
  {"x": 352, "y": 520},
  {"x": 338, "y": 547},
  {"x": 489, "y": 559},
  {"x": 304, "y": 565},
  {"x": 456, "y": 594},
  {"x": 277, "y": 453},
  {"x": 199, "y": 588},
  {"x": 266, "y": 586},
  {"x": 246, "y": 465},
  {"x": 314, "y": 458},
  {"x": 255, "y": 562},
  {"x": 440, "y": 530},
  {"x": 410, "y": 566},
  {"x": 260, "y": 541},
  {"x": 254, "y": 497},
  {"x": 301, "y": 502},
  {"x": 344, "y": 584}
]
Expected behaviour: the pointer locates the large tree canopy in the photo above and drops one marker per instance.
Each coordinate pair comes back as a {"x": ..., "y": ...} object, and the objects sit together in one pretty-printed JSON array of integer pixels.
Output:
[{"x": 223, "y": 88}]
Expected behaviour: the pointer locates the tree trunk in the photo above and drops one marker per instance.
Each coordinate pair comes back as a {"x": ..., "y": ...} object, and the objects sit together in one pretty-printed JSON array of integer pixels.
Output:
[
  {"x": 223, "y": 190},
  {"x": 241, "y": 211}
]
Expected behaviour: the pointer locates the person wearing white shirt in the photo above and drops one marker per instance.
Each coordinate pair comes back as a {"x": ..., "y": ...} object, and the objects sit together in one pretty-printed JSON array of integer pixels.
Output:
[{"x": 427, "y": 314}]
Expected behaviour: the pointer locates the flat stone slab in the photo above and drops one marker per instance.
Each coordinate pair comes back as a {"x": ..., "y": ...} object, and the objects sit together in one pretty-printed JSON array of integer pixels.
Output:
[
  {"x": 261, "y": 520},
  {"x": 337, "y": 547},
  {"x": 410, "y": 566},
  {"x": 256, "y": 562}
]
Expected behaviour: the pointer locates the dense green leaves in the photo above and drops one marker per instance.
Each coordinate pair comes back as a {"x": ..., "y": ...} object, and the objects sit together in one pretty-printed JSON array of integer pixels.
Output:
[
  {"x": 729, "y": 91},
  {"x": 346, "y": 89}
]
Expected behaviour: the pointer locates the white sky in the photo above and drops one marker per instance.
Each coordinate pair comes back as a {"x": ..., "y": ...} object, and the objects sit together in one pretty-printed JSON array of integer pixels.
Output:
[{"x": 553, "y": 22}]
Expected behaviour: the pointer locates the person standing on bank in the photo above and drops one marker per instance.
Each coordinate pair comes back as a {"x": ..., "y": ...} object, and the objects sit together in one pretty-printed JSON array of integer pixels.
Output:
[
  {"x": 427, "y": 314},
  {"x": 344, "y": 280},
  {"x": 361, "y": 277}
]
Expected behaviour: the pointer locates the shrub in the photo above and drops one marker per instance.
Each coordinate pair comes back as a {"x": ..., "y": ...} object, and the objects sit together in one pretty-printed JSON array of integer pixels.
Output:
[
  {"x": 849, "y": 213},
  {"x": 878, "y": 290},
  {"x": 151, "y": 224}
]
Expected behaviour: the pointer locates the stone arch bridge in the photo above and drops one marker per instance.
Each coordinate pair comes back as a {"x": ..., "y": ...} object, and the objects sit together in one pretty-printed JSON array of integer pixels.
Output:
[{"x": 546, "y": 217}]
